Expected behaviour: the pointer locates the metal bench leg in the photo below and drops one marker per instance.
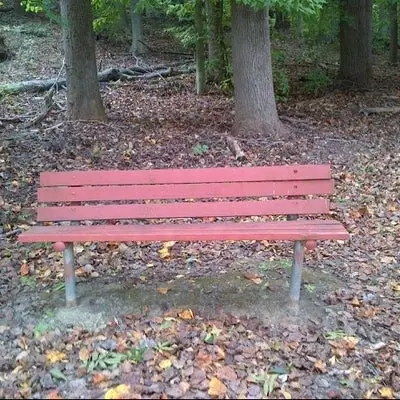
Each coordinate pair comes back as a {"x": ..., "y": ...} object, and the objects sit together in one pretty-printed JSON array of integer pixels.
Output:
[
  {"x": 297, "y": 265},
  {"x": 69, "y": 274}
]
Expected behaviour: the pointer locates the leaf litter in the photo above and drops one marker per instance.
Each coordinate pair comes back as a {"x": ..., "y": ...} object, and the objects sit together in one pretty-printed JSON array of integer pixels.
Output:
[{"x": 163, "y": 124}]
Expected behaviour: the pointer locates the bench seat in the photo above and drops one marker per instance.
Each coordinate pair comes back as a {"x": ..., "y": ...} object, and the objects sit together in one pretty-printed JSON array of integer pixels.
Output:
[{"x": 303, "y": 230}]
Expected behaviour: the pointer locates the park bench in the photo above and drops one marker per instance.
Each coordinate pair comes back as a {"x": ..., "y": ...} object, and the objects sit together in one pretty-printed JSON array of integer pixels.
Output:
[{"x": 176, "y": 205}]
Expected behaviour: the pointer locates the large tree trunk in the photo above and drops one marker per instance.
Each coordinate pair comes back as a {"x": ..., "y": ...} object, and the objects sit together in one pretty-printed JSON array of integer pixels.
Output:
[
  {"x": 255, "y": 107},
  {"x": 83, "y": 93},
  {"x": 394, "y": 33},
  {"x": 356, "y": 43},
  {"x": 137, "y": 29},
  {"x": 200, "y": 48},
  {"x": 216, "y": 69}
]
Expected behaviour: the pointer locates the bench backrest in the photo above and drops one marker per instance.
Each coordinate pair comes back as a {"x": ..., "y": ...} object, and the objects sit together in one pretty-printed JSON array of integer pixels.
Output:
[{"x": 76, "y": 195}]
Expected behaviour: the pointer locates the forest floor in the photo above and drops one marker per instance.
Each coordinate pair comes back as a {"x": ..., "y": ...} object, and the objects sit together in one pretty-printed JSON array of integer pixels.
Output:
[{"x": 188, "y": 321}]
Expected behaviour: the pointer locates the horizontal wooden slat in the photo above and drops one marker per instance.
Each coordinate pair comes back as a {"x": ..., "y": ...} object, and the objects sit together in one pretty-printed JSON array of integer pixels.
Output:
[
  {"x": 199, "y": 175},
  {"x": 285, "y": 230},
  {"x": 184, "y": 191},
  {"x": 184, "y": 210}
]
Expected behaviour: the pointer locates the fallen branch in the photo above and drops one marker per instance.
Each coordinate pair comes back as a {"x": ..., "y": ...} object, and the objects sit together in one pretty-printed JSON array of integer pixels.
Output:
[
  {"x": 234, "y": 147},
  {"x": 11, "y": 233},
  {"x": 111, "y": 74},
  {"x": 378, "y": 110}
]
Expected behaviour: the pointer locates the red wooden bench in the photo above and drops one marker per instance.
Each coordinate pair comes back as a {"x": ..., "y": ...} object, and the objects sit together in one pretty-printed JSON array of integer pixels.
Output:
[{"x": 82, "y": 196}]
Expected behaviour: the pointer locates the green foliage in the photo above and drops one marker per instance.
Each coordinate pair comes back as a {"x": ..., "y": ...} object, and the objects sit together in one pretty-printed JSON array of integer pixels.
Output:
[
  {"x": 40, "y": 329},
  {"x": 28, "y": 281},
  {"x": 280, "y": 77},
  {"x": 200, "y": 149},
  {"x": 317, "y": 82}
]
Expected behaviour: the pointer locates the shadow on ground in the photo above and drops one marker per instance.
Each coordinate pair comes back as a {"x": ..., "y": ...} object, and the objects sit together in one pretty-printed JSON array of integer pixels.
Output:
[{"x": 264, "y": 297}]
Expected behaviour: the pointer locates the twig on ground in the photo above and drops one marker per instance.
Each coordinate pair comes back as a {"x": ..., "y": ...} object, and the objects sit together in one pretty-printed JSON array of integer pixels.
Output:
[{"x": 11, "y": 233}]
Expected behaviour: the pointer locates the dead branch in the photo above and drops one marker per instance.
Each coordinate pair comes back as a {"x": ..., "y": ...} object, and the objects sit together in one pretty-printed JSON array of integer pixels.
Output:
[
  {"x": 378, "y": 110},
  {"x": 11, "y": 233},
  {"x": 234, "y": 147}
]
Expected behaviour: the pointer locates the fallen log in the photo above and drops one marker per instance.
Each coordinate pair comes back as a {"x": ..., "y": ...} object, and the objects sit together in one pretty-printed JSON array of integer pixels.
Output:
[
  {"x": 378, "y": 110},
  {"x": 111, "y": 74}
]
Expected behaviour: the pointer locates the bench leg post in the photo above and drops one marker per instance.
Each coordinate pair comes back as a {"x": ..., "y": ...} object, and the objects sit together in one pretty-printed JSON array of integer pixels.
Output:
[
  {"x": 297, "y": 266},
  {"x": 69, "y": 274}
]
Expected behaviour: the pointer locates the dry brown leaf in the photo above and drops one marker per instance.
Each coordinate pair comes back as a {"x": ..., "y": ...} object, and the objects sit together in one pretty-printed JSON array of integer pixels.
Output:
[
  {"x": 320, "y": 365},
  {"x": 226, "y": 373},
  {"x": 253, "y": 277},
  {"x": 286, "y": 394},
  {"x": 84, "y": 354},
  {"x": 204, "y": 358},
  {"x": 163, "y": 290},
  {"x": 54, "y": 395},
  {"x": 346, "y": 343},
  {"x": 186, "y": 314},
  {"x": 98, "y": 378},
  {"x": 24, "y": 269},
  {"x": 216, "y": 388},
  {"x": 355, "y": 302}
]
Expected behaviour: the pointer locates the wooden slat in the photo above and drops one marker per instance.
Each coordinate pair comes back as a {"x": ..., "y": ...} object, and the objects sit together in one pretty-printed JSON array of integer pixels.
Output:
[
  {"x": 184, "y": 191},
  {"x": 200, "y": 175},
  {"x": 284, "y": 230},
  {"x": 184, "y": 210}
]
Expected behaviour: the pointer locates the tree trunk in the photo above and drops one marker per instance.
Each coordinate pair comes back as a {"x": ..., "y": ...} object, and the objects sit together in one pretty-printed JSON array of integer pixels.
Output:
[
  {"x": 356, "y": 43},
  {"x": 137, "y": 30},
  {"x": 255, "y": 107},
  {"x": 200, "y": 48},
  {"x": 216, "y": 69},
  {"x": 394, "y": 33},
  {"x": 83, "y": 93}
]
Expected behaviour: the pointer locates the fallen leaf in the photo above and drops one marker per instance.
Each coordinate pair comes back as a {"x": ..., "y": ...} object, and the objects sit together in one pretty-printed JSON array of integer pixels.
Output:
[
  {"x": 320, "y": 365},
  {"x": 117, "y": 392},
  {"x": 98, "y": 378},
  {"x": 216, "y": 388},
  {"x": 395, "y": 286},
  {"x": 226, "y": 373},
  {"x": 164, "y": 364},
  {"x": 55, "y": 356},
  {"x": 386, "y": 392},
  {"x": 186, "y": 314},
  {"x": 163, "y": 290},
  {"x": 253, "y": 277},
  {"x": 56, "y": 373},
  {"x": 286, "y": 394},
  {"x": 165, "y": 251},
  {"x": 54, "y": 395},
  {"x": 346, "y": 342},
  {"x": 84, "y": 354},
  {"x": 24, "y": 269},
  {"x": 355, "y": 302}
]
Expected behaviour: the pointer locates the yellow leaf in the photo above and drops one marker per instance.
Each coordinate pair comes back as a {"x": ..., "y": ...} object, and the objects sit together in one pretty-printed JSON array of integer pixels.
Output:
[
  {"x": 163, "y": 290},
  {"x": 286, "y": 394},
  {"x": 386, "y": 392},
  {"x": 164, "y": 364},
  {"x": 84, "y": 354},
  {"x": 186, "y": 314},
  {"x": 216, "y": 388},
  {"x": 355, "y": 302},
  {"x": 117, "y": 392},
  {"x": 165, "y": 252},
  {"x": 395, "y": 286},
  {"x": 55, "y": 356}
]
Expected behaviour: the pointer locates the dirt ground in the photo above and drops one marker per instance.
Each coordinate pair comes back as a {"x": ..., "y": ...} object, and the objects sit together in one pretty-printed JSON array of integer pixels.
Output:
[{"x": 191, "y": 325}]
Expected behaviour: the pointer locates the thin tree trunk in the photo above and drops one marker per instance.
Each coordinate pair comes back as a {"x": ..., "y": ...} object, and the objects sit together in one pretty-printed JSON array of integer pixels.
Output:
[
  {"x": 137, "y": 30},
  {"x": 356, "y": 43},
  {"x": 394, "y": 33},
  {"x": 255, "y": 107},
  {"x": 216, "y": 69},
  {"x": 200, "y": 48}
]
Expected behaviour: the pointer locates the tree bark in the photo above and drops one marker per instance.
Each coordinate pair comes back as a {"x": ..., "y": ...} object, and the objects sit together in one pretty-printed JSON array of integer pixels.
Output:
[
  {"x": 394, "y": 33},
  {"x": 356, "y": 43},
  {"x": 200, "y": 48},
  {"x": 255, "y": 107},
  {"x": 137, "y": 30},
  {"x": 216, "y": 69},
  {"x": 83, "y": 93}
]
